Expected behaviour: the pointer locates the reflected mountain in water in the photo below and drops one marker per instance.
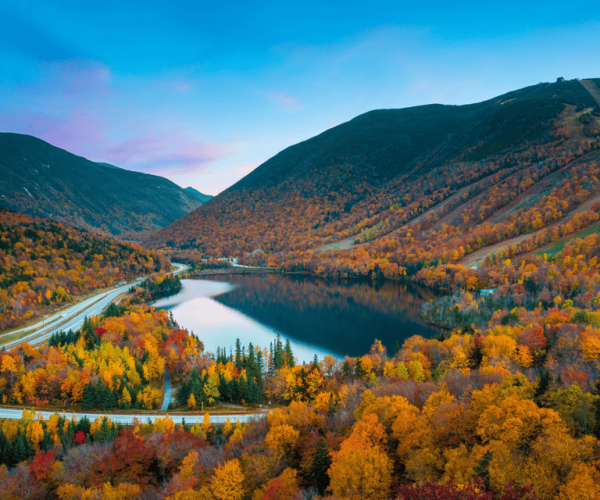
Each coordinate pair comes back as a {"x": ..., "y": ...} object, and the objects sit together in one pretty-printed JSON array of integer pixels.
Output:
[{"x": 341, "y": 318}]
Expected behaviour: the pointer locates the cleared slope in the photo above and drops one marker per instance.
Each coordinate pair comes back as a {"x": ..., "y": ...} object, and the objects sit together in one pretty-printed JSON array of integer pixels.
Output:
[
  {"x": 309, "y": 193},
  {"x": 39, "y": 179}
]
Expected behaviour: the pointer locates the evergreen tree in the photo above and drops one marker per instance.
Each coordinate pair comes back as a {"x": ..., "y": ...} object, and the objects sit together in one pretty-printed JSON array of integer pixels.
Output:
[
  {"x": 259, "y": 369},
  {"x": 253, "y": 395},
  {"x": 3, "y": 443},
  {"x": 289, "y": 355},
  {"x": 544, "y": 383},
  {"x": 317, "y": 473},
  {"x": 278, "y": 360},
  {"x": 242, "y": 389},
  {"x": 183, "y": 393},
  {"x": 8, "y": 455},
  {"x": 224, "y": 388},
  {"x": 359, "y": 370},
  {"x": 238, "y": 355},
  {"x": 251, "y": 360},
  {"x": 315, "y": 364},
  {"x": 84, "y": 425},
  {"x": 397, "y": 348},
  {"x": 346, "y": 369},
  {"x": 22, "y": 449},
  {"x": 47, "y": 442},
  {"x": 270, "y": 364},
  {"x": 106, "y": 433}
]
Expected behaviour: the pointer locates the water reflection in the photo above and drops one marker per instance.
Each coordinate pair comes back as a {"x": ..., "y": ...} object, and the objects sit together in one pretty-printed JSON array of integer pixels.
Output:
[
  {"x": 217, "y": 325},
  {"x": 319, "y": 317}
]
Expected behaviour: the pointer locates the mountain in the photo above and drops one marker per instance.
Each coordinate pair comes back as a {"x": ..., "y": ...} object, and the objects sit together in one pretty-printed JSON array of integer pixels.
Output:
[
  {"x": 47, "y": 264},
  {"x": 39, "y": 179},
  {"x": 376, "y": 173},
  {"x": 202, "y": 198}
]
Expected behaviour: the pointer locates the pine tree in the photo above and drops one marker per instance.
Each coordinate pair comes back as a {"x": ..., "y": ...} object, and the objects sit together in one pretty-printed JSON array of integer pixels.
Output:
[
  {"x": 84, "y": 425},
  {"x": 106, "y": 433},
  {"x": 259, "y": 368},
  {"x": 278, "y": 361},
  {"x": 315, "y": 364},
  {"x": 224, "y": 388},
  {"x": 289, "y": 355},
  {"x": 544, "y": 383},
  {"x": 22, "y": 450},
  {"x": 183, "y": 393},
  {"x": 317, "y": 473},
  {"x": 47, "y": 442},
  {"x": 397, "y": 348},
  {"x": 3, "y": 442},
  {"x": 242, "y": 389},
  {"x": 346, "y": 369},
  {"x": 8, "y": 455},
  {"x": 238, "y": 355},
  {"x": 251, "y": 360},
  {"x": 270, "y": 363},
  {"x": 252, "y": 395}
]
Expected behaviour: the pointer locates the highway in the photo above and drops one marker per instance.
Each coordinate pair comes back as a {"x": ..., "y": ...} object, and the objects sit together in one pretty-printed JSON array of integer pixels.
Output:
[
  {"x": 72, "y": 317},
  {"x": 124, "y": 418}
]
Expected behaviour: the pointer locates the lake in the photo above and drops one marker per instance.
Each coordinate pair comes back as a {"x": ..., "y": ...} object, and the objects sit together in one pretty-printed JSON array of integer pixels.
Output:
[{"x": 318, "y": 317}]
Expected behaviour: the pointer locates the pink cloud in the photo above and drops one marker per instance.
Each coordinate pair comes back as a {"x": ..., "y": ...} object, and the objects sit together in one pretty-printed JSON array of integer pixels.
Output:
[
  {"x": 166, "y": 152},
  {"x": 71, "y": 133},
  {"x": 83, "y": 134},
  {"x": 285, "y": 102}
]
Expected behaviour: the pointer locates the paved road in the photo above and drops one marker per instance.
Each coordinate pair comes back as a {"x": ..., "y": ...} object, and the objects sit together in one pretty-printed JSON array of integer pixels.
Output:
[
  {"x": 192, "y": 418},
  {"x": 72, "y": 317},
  {"x": 167, "y": 394}
]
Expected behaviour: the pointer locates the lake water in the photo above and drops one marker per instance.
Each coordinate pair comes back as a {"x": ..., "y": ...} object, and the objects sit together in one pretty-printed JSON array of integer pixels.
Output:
[{"x": 317, "y": 316}]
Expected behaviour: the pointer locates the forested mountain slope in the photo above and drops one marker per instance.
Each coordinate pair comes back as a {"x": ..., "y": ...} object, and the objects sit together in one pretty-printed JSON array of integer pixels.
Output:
[
  {"x": 41, "y": 180},
  {"x": 45, "y": 264},
  {"x": 385, "y": 172}
]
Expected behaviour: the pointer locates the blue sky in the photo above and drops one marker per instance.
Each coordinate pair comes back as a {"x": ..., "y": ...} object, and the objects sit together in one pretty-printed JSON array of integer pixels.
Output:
[{"x": 202, "y": 93}]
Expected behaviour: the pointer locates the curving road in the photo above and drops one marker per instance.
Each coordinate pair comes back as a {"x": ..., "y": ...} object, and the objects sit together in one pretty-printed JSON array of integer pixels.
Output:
[
  {"x": 72, "y": 317},
  {"x": 167, "y": 393}
]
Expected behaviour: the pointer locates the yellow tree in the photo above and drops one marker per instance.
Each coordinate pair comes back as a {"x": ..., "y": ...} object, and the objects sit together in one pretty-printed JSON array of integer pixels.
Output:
[
  {"x": 227, "y": 481},
  {"x": 362, "y": 469}
]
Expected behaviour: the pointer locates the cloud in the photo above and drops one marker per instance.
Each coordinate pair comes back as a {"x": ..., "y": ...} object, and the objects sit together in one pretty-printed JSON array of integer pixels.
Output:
[
  {"x": 80, "y": 129},
  {"x": 285, "y": 102},
  {"x": 171, "y": 152},
  {"x": 82, "y": 133}
]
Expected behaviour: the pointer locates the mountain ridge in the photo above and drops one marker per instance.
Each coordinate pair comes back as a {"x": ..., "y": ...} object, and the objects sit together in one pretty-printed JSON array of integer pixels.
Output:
[
  {"x": 337, "y": 183},
  {"x": 42, "y": 180}
]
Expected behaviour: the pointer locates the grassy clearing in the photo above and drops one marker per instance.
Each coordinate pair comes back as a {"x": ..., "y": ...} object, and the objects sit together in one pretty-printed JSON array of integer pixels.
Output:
[{"x": 559, "y": 246}]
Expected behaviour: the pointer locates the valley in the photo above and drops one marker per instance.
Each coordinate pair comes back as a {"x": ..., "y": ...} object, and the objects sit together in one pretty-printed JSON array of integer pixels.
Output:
[{"x": 405, "y": 303}]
